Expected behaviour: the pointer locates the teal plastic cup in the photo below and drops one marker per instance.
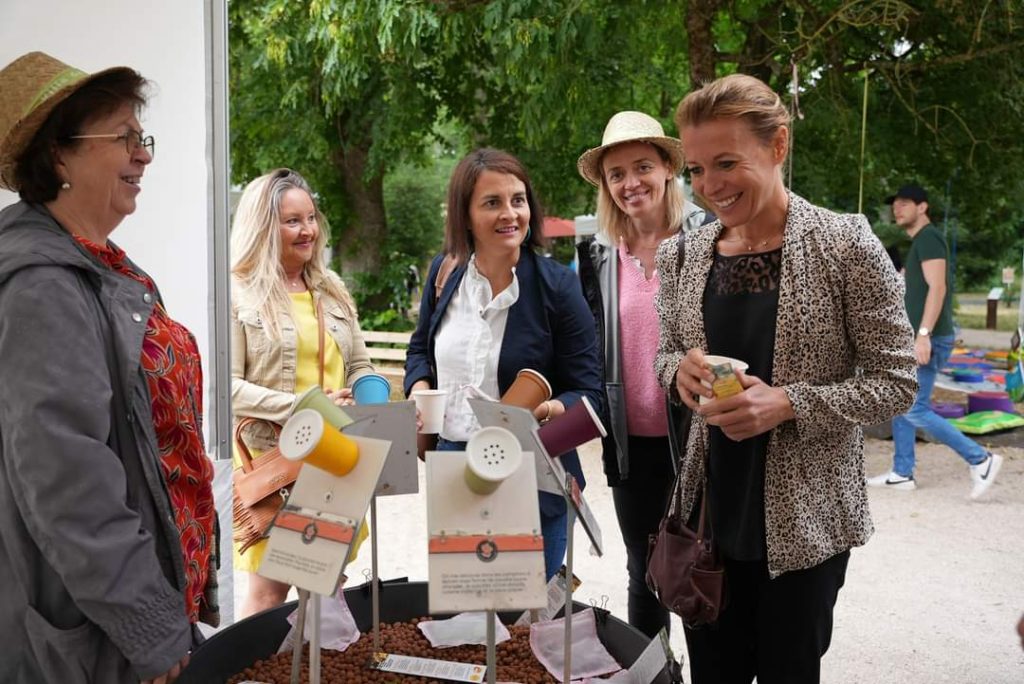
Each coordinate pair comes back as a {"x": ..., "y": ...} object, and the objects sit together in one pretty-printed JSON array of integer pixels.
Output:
[
  {"x": 314, "y": 398},
  {"x": 371, "y": 389}
]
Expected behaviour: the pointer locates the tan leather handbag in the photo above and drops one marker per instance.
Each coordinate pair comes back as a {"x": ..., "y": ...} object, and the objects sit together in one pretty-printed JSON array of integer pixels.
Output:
[{"x": 261, "y": 486}]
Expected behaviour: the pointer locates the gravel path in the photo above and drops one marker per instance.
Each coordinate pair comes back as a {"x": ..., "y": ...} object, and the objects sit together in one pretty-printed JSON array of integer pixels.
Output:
[{"x": 933, "y": 597}]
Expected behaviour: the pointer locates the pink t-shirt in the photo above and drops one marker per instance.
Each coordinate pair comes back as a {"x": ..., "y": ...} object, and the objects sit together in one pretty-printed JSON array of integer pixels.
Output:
[{"x": 638, "y": 334}]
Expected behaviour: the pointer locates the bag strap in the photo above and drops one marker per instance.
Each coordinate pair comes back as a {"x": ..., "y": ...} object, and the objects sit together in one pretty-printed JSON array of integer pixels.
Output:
[
  {"x": 320, "y": 338},
  {"x": 446, "y": 268},
  {"x": 243, "y": 451},
  {"x": 679, "y": 433}
]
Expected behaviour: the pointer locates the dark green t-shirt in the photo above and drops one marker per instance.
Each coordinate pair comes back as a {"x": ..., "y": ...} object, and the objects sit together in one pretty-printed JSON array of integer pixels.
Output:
[{"x": 927, "y": 244}]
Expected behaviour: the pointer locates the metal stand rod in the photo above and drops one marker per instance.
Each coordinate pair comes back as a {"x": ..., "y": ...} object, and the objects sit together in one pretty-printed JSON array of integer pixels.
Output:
[
  {"x": 492, "y": 649},
  {"x": 300, "y": 628},
  {"x": 567, "y": 613},
  {"x": 375, "y": 582},
  {"x": 314, "y": 642}
]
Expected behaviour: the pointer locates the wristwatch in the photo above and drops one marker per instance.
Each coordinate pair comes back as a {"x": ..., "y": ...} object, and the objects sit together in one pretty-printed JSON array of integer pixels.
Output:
[{"x": 923, "y": 331}]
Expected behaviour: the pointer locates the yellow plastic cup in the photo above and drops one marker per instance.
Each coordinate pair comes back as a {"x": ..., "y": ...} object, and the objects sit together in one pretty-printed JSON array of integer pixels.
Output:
[{"x": 307, "y": 437}]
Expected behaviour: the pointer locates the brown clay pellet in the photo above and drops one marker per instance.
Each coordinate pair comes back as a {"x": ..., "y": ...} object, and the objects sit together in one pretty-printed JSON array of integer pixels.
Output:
[{"x": 515, "y": 659}]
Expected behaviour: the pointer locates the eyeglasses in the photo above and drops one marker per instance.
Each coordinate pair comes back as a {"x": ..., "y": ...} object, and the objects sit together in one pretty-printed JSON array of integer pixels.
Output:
[{"x": 133, "y": 140}]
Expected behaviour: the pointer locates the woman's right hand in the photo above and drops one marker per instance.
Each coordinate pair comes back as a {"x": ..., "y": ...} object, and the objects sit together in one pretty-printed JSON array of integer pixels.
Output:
[
  {"x": 419, "y": 385},
  {"x": 689, "y": 374}
]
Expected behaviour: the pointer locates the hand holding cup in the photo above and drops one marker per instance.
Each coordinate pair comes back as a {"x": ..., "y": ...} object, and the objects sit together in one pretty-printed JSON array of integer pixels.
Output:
[
  {"x": 754, "y": 411},
  {"x": 694, "y": 376},
  {"x": 341, "y": 397}
]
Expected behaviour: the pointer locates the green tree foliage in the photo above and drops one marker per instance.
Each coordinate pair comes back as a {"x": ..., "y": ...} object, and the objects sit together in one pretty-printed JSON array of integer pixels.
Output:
[
  {"x": 945, "y": 104},
  {"x": 353, "y": 92}
]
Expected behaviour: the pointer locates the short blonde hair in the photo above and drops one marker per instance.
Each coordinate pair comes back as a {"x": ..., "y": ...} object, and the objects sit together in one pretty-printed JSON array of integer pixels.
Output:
[
  {"x": 614, "y": 224},
  {"x": 737, "y": 96}
]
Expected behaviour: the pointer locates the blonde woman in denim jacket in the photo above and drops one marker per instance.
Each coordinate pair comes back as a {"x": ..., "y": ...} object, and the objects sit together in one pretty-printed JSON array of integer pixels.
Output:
[{"x": 279, "y": 278}]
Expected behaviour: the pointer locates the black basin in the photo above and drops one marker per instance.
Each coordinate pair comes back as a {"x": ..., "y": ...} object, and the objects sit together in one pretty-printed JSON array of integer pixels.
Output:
[{"x": 237, "y": 647}]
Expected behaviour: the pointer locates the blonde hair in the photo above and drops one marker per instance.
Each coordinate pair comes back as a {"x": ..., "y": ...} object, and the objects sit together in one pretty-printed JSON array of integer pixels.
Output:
[
  {"x": 256, "y": 250},
  {"x": 615, "y": 224},
  {"x": 735, "y": 97}
]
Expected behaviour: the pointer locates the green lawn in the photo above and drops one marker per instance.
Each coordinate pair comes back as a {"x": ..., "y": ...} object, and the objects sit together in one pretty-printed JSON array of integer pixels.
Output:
[{"x": 974, "y": 315}]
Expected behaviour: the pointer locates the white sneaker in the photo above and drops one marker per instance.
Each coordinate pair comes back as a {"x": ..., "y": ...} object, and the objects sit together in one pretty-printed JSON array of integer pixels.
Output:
[
  {"x": 891, "y": 480},
  {"x": 984, "y": 474}
]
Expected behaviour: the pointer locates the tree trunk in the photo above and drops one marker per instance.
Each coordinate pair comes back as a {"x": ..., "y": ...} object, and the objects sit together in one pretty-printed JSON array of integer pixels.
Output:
[
  {"x": 757, "y": 60},
  {"x": 358, "y": 246},
  {"x": 700, "y": 15}
]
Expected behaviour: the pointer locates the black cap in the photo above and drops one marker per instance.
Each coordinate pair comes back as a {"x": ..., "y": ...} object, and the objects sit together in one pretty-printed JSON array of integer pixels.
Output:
[{"x": 914, "y": 193}]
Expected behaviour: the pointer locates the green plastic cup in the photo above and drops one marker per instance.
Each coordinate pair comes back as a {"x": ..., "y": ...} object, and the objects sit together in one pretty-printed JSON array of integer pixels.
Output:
[{"x": 314, "y": 398}]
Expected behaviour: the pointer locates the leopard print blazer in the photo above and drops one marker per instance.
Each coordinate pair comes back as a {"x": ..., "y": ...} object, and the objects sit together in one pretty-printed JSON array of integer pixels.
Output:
[{"x": 843, "y": 355}]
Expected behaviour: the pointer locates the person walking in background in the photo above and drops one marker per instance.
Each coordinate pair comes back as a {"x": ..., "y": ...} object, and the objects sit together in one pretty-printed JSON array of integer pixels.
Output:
[
  {"x": 810, "y": 300},
  {"x": 639, "y": 204},
  {"x": 501, "y": 309},
  {"x": 108, "y": 537},
  {"x": 929, "y": 305},
  {"x": 281, "y": 293}
]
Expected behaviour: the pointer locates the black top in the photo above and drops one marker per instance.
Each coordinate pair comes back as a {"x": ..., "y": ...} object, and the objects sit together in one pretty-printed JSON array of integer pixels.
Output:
[{"x": 741, "y": 299}]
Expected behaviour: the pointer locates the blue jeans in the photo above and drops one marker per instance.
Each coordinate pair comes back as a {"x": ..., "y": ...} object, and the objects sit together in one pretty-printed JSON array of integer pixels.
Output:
[
  {"x": 552, "y": 528},
  {"x": 922, "y": 416}
]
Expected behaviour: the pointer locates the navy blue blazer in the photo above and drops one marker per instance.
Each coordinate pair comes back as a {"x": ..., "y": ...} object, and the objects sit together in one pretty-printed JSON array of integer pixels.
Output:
[{"x": 550, "y": 328}]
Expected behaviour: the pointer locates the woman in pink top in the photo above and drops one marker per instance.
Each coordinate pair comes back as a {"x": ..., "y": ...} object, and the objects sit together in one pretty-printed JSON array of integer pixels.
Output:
[{"x": 639, "y": 204}]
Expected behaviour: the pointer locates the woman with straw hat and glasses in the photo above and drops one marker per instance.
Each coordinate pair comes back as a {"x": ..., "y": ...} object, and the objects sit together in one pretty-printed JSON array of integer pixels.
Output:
[
  {"x": 639, "y": 205},
  {"x": 107, "y": 524},
  {"x": 810, "y": 301}
]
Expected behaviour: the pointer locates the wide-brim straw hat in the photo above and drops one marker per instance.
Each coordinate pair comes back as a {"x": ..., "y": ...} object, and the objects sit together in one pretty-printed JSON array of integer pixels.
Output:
[
  {"x": 627, "y": 127},
  {"x": 30, "y": 88}
]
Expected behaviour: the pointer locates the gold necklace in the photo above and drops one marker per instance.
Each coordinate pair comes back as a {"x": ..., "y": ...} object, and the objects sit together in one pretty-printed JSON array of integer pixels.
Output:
[{"x": 751, "y": 245}]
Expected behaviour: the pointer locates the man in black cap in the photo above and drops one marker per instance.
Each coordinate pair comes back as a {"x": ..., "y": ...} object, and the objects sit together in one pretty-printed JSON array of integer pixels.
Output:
[{"x": 929, "y": 307}]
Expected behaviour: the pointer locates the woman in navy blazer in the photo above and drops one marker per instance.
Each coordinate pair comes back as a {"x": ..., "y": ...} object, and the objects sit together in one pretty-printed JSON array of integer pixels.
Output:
[{"x": 503, "y": 308}]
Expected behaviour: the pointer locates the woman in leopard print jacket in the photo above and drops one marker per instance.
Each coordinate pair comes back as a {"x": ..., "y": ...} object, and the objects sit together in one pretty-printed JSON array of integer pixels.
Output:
[{"x": 809, "y": 299}]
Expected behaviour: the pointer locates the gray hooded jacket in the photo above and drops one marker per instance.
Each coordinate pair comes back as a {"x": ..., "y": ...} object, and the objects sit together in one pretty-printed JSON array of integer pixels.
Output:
[
  {"x": 599, "y": 273},
  {"x": 91, "y": 572}
]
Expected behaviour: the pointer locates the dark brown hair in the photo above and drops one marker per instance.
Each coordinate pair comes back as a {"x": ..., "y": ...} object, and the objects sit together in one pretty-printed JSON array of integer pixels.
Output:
[
  {"x": 34, "y": 170},
  {"x": 458, "y": 239}
]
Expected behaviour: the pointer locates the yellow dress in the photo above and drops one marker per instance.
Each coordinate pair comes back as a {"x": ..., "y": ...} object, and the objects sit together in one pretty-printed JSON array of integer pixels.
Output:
[{"x": 307, "y": 374}]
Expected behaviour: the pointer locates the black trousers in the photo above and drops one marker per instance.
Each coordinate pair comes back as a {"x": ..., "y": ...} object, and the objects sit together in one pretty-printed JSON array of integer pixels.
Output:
[
  {"x": 776, "y": 630},
  {"x": 640, "y": 502}
]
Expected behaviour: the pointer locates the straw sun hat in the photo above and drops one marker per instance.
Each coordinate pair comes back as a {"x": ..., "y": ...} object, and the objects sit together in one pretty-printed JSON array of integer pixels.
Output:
[
  {"x": 630, "y": 127},
  {"x": 32, "y": 86}
]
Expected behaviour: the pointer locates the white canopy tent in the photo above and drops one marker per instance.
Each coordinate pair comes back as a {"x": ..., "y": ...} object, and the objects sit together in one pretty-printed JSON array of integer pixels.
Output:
[{"x": 179, "y": 233}]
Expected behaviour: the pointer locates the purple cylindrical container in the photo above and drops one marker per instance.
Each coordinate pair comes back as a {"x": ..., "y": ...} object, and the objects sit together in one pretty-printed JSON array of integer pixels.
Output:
[
  {"x": 579, "y": 424},
  {"x": 949, "y": 410},
  {"x": 989, "y": 401}
]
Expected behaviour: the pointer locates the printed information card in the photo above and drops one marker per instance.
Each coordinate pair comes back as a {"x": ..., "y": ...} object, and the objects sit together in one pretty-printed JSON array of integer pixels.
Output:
[
  {"x": 427, "y": 667},
  {"x": 486, "y": 551},
  {"x": 310, "y": 537}
]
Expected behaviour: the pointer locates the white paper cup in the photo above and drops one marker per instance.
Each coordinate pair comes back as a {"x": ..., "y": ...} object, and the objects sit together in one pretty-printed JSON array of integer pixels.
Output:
[
  {"x": 715, "y": 360},
  {"x": 430, "y": 403}
]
